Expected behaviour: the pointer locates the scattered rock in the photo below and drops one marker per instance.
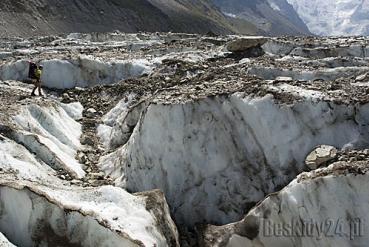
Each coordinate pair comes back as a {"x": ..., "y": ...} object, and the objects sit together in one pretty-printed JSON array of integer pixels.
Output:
[
  {"x": 320, "y": 156},
  {"x": 86, "y": 140},
  {"x": 97, "y": 175},
  {"x": 283, "y": 79},
  {"x": 75, "y": 181},
  {"x": 245, "y": 43},
  {"x": 90, "y": 112},
  {"x": 363, "y": 77},
  {"x": 81, "y": 158}
]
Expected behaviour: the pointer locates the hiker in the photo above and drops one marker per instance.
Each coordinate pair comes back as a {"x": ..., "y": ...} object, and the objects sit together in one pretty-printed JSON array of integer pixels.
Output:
[{"x": 37, "y": 80}]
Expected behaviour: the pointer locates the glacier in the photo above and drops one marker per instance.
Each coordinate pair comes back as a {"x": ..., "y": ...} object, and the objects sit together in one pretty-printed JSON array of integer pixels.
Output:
[
  {"x": 184, "y": 143},
  {"x": 334, "y": 17}
]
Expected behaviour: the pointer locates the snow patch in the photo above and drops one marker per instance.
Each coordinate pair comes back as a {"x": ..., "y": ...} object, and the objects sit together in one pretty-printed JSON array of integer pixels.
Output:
[{"x": 230, "y": 15}]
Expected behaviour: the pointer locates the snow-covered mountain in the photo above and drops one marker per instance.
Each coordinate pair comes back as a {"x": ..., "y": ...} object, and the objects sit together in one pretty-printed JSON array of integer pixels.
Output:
[
  {"x": 334, "y": 17},
  {"x": 274, "y": 17}
]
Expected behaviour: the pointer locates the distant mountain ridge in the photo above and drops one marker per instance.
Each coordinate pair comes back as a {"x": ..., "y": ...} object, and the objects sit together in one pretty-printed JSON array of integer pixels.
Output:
[{"x": 41, "y": 17}]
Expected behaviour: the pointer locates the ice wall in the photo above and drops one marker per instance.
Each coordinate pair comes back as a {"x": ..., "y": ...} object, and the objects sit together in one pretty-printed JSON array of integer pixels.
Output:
[
  {"x": 323, "y": 208},
  {"x": 35, "y": 215},
  {"x": 85, "y": 71},
  {"x": 216, "y": 157}
]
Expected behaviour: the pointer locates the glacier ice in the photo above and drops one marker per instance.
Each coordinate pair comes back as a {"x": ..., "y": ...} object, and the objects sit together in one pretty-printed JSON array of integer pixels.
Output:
[
  {"x": 4, "y": 242},
  {"x": 302, "y": 213},
  {"x": 84, "y": 71},
  {"x": 51, "y": 133},
  {"x": 229, "y": 143},
  {"x": 50, "y": 215}
]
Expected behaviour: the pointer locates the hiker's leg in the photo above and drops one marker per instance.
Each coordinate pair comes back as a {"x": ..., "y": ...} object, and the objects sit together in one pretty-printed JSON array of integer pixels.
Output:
[
  {"x": 34, "y": 89},
  {"x": 39, "y": 87}
]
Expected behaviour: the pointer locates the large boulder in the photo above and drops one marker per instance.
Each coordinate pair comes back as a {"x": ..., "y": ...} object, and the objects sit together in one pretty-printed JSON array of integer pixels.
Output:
[
  {"x": 245, "y": 43},
  {"x": 363, "y": 77},
  {"x": 320, "y": 155}
]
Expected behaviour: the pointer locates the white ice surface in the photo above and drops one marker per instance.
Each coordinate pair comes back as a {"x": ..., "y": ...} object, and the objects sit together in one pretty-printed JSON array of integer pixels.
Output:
[
  {"x": 17, "y": 71},
  {"x": 53, "y": 134},
  {"x": 74, "y": 110},
  {"x": 16, "y": 158},
  {"x": 88, "y": 216},
  {"x": 4, "y": 242},
  {"x": 86, "y": 71},
  {"x": 299, "y": 91},
  {"x": 110, "y": 119},
  {"x": 118, "y": 123},
  {"x": 333, "y": 210},
  {"x": 105, "y": 216}
]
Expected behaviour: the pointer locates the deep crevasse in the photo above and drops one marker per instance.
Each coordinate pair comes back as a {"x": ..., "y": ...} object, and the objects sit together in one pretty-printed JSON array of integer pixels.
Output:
[{"x": 216, "y": 157}]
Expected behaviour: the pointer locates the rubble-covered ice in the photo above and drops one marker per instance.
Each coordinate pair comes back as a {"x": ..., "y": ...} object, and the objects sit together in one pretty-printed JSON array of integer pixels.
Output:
[
  {"x": 308, "y": 75},
  {"x": 38, "y": 208},
  {"x": 149, "y": 126},
  {"x": 65, "y": 68}
]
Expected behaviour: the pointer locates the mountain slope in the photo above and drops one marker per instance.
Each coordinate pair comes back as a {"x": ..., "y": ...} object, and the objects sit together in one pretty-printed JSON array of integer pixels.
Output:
[
  {"x": 26, "y": 17},
  {"x": 334, "y": 17},
  {"x": 274, "y": 17},
  {"x": 32, "y": 17},
  {"x": 199, "y": 15},
  {"x": 40, "y": 17}
]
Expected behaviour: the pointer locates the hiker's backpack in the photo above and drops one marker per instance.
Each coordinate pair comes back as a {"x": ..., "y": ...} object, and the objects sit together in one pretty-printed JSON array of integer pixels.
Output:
[{"x": 32, "y": 70}]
